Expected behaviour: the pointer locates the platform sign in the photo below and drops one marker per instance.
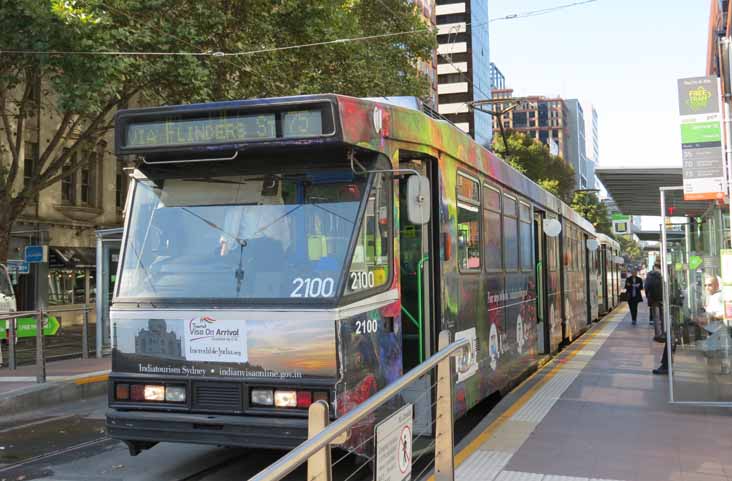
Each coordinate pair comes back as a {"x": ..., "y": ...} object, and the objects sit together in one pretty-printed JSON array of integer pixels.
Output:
[
  {"x": 18, "y": 266},
  {"x": 701, "y": 138},
  {"x": 36, "y": 254},
  {"x": 26, "y": 326},
  {"x": 394, "y": 446}
]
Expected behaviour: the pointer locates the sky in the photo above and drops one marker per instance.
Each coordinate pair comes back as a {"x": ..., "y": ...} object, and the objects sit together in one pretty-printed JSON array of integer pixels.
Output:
[{"x": 623, "y": 56}]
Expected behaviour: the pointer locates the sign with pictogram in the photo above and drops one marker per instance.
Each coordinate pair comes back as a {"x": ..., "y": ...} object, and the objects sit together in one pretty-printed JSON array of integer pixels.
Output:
[{"x": 394, "y": 446}]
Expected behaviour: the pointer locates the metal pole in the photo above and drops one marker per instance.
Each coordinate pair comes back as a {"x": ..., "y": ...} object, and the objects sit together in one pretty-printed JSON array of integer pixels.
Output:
[
  {"x": 723, "y": 51},
  {"x": 85, "y": 334},
  {"x": 11, "y": 343},
  {"x": 319, "y": 466},
  {"x": 40, "y": 358},
  {"x": 690, "y": 291},
  {"x": 444, "y": 437},
  {"x": 289, "y": 462},
  {"x": 101, "y": 299},
  {"x": 667, "y": 307}
]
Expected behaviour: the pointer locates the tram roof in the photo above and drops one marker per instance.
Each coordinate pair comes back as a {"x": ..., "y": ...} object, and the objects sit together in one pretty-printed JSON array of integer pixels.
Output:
[
  {"x": 415, "y": 127},
  {"x": 636, "y": 190}
]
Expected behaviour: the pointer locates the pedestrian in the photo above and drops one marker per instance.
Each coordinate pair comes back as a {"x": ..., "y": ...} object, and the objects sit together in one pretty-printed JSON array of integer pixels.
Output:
[
  {"x": 653, "y": 286},
  {"x": 714, "y": 312},
  {"x": 633, "y": 288}
]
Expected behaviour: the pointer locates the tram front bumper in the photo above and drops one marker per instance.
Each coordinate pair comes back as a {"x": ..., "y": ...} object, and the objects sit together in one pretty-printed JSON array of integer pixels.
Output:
[{"x": 223, "y": 430}]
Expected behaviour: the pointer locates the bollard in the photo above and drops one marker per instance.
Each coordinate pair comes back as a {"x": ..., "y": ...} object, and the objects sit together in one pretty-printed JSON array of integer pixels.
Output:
[
  {"x": 40, "y": 358},
  {"x": 319, "y": 463},
  {"x": 11, "y": 343},
  {"x": 85, "y": 334},
  {"x": 444, "y": 438}
]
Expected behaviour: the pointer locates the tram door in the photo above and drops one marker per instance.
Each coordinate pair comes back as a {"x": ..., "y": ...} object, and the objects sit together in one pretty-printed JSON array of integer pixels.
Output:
[
  {"x": 540, "y": 257},
  {"x": 417, "y": 269}
]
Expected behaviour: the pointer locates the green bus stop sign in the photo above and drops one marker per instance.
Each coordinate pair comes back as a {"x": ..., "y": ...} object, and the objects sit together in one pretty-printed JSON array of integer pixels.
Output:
[
  {"x": 695, "y": 262},
  {"x": 26, "y": 327}
]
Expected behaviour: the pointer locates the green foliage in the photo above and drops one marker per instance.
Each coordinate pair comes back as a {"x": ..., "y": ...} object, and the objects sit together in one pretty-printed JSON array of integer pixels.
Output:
[
  {"x": 82, "y": 91},
  {"x": 630, "y": 249},
  {"x": 588, "y": 205},
  {"x": 533, "y": 159}
]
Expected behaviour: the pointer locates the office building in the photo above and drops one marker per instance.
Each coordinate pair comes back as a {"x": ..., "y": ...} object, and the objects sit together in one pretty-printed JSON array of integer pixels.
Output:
[
  {"x": 576, "y": 145},
  {"x": 463, "y": 65},
  {"x": 541, "y": 118}
]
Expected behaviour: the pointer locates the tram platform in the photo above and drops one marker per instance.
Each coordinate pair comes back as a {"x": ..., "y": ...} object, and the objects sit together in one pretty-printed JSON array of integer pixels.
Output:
[
  {"x": 67, "y": 380},
  {"x": 597, "y": 412}
]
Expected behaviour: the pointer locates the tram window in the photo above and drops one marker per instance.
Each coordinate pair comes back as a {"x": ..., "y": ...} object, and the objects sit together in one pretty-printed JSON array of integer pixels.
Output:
[
  {"x": 492, "y": 229},
  {"x": 525, "y": 241},
  {"x": 492, "y": 199},
  {"x": 468, "y": 193},
  {"x": 370, "y": 264},
  {"x": 510, "y": 242},
  {"x": 552, "y": 246},
  {"x": 524, "y": 212},
  {"x": 492, "y": 236},
  {"x": 509, "y": 206}
]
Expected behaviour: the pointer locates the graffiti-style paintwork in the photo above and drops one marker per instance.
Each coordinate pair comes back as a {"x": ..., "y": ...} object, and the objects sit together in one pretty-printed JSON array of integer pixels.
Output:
[{"x": 359, "y": 344}]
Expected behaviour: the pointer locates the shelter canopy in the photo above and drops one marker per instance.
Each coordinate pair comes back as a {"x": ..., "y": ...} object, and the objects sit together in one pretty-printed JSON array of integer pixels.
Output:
[{"x": 636, "y": 191}]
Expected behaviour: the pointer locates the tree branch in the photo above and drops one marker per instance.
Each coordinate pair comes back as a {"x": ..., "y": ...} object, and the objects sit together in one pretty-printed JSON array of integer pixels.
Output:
[{"x": 66, "y": 126}]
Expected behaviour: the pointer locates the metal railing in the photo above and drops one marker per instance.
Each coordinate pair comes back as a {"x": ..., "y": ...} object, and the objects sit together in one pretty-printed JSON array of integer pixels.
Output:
[
  {"x": 321, "y": 435},
  {"x": 40, "y": 317}
]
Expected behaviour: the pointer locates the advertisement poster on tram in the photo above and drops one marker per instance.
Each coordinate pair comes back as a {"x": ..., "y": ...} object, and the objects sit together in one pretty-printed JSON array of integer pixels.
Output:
[{"x": 223, "y": 345}]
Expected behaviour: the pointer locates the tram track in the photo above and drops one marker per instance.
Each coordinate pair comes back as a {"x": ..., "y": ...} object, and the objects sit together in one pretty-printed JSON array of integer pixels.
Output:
[{"x": 52, "y": 454}]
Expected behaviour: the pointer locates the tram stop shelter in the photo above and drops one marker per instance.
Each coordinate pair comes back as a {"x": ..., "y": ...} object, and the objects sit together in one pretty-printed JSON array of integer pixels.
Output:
[
  {"x": 695, "y": 243},
  {"x": 109, "y": 242}
]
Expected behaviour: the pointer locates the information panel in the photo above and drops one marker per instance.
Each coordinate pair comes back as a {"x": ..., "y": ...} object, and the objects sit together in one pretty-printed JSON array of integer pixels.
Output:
[{"x": 701, "y": 138}]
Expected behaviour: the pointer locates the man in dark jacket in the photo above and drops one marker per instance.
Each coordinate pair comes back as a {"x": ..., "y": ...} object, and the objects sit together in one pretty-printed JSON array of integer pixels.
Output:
[
  {"x": 633, "y": 288},
  {"x": 654, "y": 294}
]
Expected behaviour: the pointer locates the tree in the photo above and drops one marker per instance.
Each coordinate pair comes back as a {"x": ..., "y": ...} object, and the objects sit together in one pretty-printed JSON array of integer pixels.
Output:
[
  {"x": 588, "y": 205},
  {"x": 43, "y": 43},
  {"x": 630, "y": 249},
  {"x": 532, "y": 158}
]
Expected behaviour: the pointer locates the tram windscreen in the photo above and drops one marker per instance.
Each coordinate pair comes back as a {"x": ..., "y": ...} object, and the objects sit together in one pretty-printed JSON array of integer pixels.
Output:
[{"x": 272, "y": 235}]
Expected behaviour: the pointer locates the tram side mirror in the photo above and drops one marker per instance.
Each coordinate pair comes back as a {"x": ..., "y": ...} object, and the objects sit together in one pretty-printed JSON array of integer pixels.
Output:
[
  {"x": 418, "y": 200},
  {"x": 552, "y": 227}
]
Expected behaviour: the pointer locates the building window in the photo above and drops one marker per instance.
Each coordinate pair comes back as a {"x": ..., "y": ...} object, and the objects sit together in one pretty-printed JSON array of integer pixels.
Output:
[
  {"x": 68, "y": 182},
  {"x": 30, "y": 161},
  {"x": 88, "y": 180}
]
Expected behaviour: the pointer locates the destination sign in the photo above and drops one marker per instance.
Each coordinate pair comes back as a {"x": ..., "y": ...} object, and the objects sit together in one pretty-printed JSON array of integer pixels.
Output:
[
  {"x": 172, "y": 132},
  {"x": 177, "y": 131},
  {"x": 304, "y": 123}
]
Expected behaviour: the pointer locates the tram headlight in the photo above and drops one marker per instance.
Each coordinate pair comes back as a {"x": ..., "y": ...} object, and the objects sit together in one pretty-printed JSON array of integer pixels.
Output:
[
  {"x": 262, "y": 397},
  {"x": 285, "y": 399},
  {"x": 175, "y": 394},
  {"x": 154, "y": 392}
]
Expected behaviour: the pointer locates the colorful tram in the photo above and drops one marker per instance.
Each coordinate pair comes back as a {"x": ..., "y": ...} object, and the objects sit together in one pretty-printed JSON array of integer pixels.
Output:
[{"x": 282, "y": 251}]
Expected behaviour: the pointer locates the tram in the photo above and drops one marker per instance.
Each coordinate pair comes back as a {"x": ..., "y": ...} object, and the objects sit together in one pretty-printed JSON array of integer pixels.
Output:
[
  {"x": 282, "y": 251},
  {"x": 608, "y": 273}
]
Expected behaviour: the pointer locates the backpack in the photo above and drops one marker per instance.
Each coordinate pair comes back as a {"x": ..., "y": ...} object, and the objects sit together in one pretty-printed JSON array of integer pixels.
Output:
[{"x": 654, "y": 286}]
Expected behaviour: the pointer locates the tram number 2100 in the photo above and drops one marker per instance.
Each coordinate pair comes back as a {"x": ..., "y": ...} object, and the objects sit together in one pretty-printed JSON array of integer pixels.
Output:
[
  {"x": 369, "y": 326},
  {"x": 313, "y": 287}
]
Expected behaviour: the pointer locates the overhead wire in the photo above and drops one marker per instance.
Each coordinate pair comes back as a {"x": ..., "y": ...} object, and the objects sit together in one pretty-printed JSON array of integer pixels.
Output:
[{"x": 287, "y": 47}]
